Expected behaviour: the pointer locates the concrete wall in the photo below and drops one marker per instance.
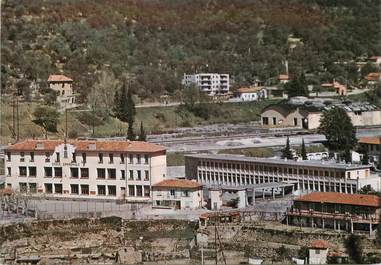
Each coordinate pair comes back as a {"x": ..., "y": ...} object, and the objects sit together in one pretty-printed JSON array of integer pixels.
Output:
[
  {"x": 365, "y": 118},
  {"x": 317, "y": 256}
]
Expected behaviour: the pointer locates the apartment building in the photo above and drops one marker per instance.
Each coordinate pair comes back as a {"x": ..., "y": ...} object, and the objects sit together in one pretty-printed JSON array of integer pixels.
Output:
[
  {"x": 85, "y": 169},
  {"x": 210, "y": 83},
  {"x": 242, "y": 172},
  {"x": 63, "y": 85}
]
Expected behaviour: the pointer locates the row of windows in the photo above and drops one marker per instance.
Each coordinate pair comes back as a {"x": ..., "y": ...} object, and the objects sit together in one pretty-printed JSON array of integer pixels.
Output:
[
  {"x": 139, "y": 159},
  {"x": 82, "y": 173},
  {"x": 273, "y": 169},
  {"x": 83, "y": 189}
]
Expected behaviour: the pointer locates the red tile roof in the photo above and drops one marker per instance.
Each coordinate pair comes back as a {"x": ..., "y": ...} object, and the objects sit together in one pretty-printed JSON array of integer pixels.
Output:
[
  {"x": 88, "y": 145},
  {"x": 373, "y": 77},
  {"x": 319, "y": 244},
  {"x": 341, "y": 198},
  {"x": 178, "y": 183},
  {"x": 283, "y": 77},
  {"x": 249, "y": 89},
  {"x": 370, "y": 140},
  {"x": 59, "y": 78}
]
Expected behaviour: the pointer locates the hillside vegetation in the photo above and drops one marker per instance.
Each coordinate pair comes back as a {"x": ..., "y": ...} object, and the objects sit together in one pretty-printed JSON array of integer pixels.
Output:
[{"x": 150, "y": 44}]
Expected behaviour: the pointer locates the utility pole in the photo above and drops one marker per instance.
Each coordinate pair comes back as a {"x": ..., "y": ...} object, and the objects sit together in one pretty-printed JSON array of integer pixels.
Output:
[
  {"x": 14, "y": 116},
  {"x": 18, "y": 119}
]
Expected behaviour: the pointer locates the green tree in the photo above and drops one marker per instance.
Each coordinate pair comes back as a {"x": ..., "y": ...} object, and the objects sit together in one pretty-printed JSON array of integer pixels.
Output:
[
  {"x": 303, "y": 151},
  {"x": 368, "y": 68},
  {"x": 142, "y": 135},
  {"x": 286, "y": 152},
  {"x": 354, "y": 248},
  {"x": 347, "y": 155},
  {"x": 47, "y": 118},
  {"x": 131, "y": 112},
  {"x": 297, "y": 86},
  {"x": 337, "y": 127},
  {"x": 365, "y": 157}
]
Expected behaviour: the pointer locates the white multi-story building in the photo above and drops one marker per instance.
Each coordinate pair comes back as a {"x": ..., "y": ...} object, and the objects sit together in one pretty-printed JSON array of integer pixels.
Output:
[
  {"x": 88, "y": 169},
  {"x": 212, "y": 84},
  {"x": 63, "y": 85},
  {"x": 237, "y": 171}
]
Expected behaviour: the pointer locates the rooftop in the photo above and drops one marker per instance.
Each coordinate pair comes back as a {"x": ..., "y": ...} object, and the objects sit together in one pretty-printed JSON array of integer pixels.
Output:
[
  {"x": 370, "y": 140},
  {"x": 341, "y": 198},
  {"x": 59, "y": 78},
  {"x": 283, "y": 77},
  {"x": 319, "y": 244},
  {"x": 249, "y": 89},
  {"x": 178, "y": 183},
  {"x": 274, "y": 161},
  {"x": 373, "y": 77},
  {"x": 87, "y": 145}
]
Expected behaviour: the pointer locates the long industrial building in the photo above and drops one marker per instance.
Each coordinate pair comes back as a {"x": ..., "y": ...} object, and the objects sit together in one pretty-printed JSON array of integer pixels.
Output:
[
  {"x": 238, "y": 171},
  {"x": 85, "y": 169}
]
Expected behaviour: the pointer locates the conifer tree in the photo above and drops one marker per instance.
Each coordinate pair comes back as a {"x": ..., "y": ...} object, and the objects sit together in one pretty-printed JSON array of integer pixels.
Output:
[
  {"x": 303, "y": 151},
  {"x": 142, "y": 135},
  {"x": 365, "y": 158},
  {"x": 130, "y": 115},
  {"x": 286, "y": 152}
]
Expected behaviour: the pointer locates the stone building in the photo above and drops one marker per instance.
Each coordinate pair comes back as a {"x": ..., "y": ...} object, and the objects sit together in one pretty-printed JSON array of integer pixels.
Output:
[{"x": 63, "y": 86}]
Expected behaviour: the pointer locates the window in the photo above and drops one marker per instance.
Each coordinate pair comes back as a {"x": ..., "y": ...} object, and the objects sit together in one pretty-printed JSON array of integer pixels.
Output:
[
  {"x": 101, "y": 173},
  {"x": 48, "y": 172},
  {"x": 274, "y": 120},
  {"x": 74, "y": 158},
  {"x": 147, "y": 191},
  {"x": 57, "y": 157},
  {"x": 31, "y": 156},
  {"x": 74, "y": 188},
  {"x": 138, "y": 159},
  {"x": 146, "y": 175},
  {"x": 131, "y": 176},
  {"x": 101, "y": 190},
  {"x": 131, "y": 159},
  {"x": 32, "y": 187},
  {"x": 111, "y": 158},
  {"x": 111, "y": 172},
  {"x": 58, "y": 188},
  {"x": 186, "y": 193},
  {"x": 8, "y": 156},
  {"x": 23, "y": 187},
  {"x": 265, "y": 120},
  {"x": 48, "y": 188},
  {"x": 122, "y": 158},
  {"x": 84, "y": 173},
  {"x": 84, "y": 158},
  {"x": 139, "y": 175},
  {"x": 295, "y": 121},
  {"x": 22, "y": 157},
  {"x": 145, "y": 159},
  {"x": 22, "y": 171},
  {"x": 9, "y": 170},
  {"x": 47, "y": 157},
  {"x": 317, "y": 251},
  {"x": 131, "y": 190},
  {"x": 122, "y": 174},
  {"x": 74, "y": 173},
  {"x": 32, "y": 171},
  {"x": 100, "y": 155},
  {"x": 58, "y": 172},
  {"x": 111, "y": 190},
  {"x": 139, "y": 191},
  {"x": 85, "y": 189},
  {"x": 172, "y": 192}
]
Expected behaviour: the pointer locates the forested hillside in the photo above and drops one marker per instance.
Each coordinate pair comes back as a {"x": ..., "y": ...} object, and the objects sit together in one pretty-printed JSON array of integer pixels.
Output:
[{"x": 151, "y": 44}]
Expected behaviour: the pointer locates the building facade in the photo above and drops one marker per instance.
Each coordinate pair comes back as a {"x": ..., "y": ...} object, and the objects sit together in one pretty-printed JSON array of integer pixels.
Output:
[
  {"x": 235, "y": 171},
  {"x": 178, "y": 194},
  {"x": 63, "y": 85},
  {"x": 336, "y": 211},
  {"x": 210, "y": 83},
  {"x": 85, "y": 169},
  {"x": 251, "y": 93}
]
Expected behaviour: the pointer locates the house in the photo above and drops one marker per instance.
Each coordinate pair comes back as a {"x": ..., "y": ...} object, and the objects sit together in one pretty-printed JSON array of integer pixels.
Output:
[
  {"x": 251, "y": 93},
  {"x": 318, "y": 252},
  {"x": 274, "y": 92},
  {"x": 372, "y": 145},
  {"x": 85, "y": 169},
  {"x": 212, "y": 84},
  {"x": 338, "y": 211},
  {"x": 178, "y": 194},
  {"x": 373, "y": 78},
  {"x": 339, "y": 88},
  {"x": 301, "y": 112},
  {"x": 238, "y": 173},
  {"x": 283, "y": 79},
  {"x": 375, "y": 59},
  {"x": 63, "y": 85}
]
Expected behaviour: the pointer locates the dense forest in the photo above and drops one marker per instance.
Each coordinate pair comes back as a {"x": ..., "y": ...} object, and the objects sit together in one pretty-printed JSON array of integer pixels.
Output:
[{"x": 150, "y": 44}]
